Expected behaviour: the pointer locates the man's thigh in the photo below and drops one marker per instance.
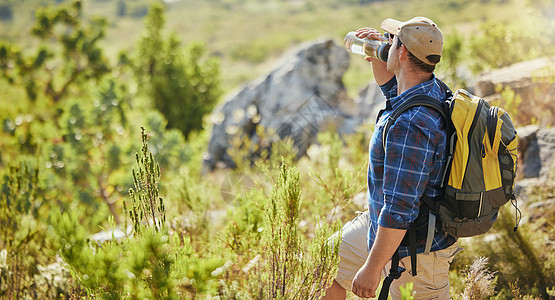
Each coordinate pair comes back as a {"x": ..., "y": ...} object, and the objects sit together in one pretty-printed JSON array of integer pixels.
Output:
[
  {"x": 432, "y": 280},
  {"x": 353, "y": 250}
]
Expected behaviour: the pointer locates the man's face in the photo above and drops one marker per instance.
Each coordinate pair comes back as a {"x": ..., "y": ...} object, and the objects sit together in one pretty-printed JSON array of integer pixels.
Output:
[{"x": 393, "y": 55}]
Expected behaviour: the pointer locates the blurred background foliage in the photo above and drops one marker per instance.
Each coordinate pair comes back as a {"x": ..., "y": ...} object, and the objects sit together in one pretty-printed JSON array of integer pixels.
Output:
[{"x": 80, "y": 78}]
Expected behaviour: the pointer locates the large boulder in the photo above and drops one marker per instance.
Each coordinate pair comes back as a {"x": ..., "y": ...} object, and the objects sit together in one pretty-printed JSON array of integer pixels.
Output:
[
  {"x": 536, "y": 167},
  {"x": 297, "y": 99},
  {"x": 369, "y": 102},
  {"x": 536, "y": 152},
  {"x": 532, "y": 84}
]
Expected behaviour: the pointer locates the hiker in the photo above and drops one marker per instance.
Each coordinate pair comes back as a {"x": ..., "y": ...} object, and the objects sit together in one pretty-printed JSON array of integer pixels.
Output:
[{"x": 410, "y": 163}]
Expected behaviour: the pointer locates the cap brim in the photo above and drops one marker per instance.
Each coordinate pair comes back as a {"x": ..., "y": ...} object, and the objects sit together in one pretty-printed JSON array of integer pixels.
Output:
[{"x": 391, "y": 26}]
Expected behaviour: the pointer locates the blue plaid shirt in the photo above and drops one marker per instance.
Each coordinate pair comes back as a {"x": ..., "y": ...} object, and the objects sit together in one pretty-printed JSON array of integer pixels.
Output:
[{"x": 411, "y": 164}]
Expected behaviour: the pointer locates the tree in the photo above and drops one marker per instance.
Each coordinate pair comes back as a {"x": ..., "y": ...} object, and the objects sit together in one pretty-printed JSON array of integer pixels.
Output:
[
  {"x": 181, "y": 84},
  {"x": 75, "y": 46}
]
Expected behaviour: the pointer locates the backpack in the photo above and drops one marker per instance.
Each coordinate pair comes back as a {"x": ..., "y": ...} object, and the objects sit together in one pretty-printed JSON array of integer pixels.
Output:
[{"x": 478, "y": 179}]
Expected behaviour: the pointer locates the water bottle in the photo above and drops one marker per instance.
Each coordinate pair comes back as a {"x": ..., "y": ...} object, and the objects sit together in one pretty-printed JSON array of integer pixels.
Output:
[{"x": 373, "y": 48}]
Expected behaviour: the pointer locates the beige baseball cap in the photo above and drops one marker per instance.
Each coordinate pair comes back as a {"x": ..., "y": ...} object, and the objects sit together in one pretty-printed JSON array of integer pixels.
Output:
[{"x": 420, "y": 35}]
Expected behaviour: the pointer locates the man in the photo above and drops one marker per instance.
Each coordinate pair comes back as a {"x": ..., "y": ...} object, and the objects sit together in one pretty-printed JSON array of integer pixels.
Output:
[{"x": 407, "y": 165}]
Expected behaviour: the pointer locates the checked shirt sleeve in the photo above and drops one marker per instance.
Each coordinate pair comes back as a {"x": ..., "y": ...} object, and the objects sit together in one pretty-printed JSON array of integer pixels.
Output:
[
  {"x": 389, "y": 89},
  {"x": 409, "y": 158}
]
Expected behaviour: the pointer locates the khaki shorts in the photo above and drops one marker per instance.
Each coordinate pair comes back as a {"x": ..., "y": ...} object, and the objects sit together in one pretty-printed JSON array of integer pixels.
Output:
[{"x": 432, "y": 281}]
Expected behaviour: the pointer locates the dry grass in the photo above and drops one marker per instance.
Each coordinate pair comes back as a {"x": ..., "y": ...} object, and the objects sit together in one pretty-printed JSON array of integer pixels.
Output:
[{"x": 479, "y": 282}]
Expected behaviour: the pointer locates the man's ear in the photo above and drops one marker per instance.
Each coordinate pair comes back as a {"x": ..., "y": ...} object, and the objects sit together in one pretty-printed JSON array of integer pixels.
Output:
[{"x": 403, "y": 51}]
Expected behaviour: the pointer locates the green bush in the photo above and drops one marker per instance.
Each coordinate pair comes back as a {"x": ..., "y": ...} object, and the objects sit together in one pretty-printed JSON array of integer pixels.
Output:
[
  {"x": 24, "y": 249},
  {"x": 291, "y": 271},
  {"x": 451, "y": 58},
  {"x": 181, "y": 83},
  {"x": 76, "y": 47}
]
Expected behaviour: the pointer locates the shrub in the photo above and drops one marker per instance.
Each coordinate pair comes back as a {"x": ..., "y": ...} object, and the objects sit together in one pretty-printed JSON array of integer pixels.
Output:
[
  {"x": 293, "y": 273},
  {"x": 182, "y": 85},
  {"x": 151, "y": 263},
  {"x": 65, "y": 58},
  {"x": 24, "y": 249}
]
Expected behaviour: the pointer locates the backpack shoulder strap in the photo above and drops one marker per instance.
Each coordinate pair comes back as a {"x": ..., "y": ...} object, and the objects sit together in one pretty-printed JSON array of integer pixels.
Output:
[
  {"x": 417, "y": 100},
  {"x": 446, "y": 88}
]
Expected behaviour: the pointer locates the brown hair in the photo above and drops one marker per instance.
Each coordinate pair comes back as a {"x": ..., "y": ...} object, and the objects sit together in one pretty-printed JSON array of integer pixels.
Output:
[{"x": 417, "y": 62}]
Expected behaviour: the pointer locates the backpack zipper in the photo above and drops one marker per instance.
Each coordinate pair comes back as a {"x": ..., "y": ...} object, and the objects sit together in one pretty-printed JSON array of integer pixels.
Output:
[
  {"x": 491, "y": 123},
  {"x": 473, "y": 126},
  {"x": 475, "y": 120},
  {"x": 481, "y": 201}
]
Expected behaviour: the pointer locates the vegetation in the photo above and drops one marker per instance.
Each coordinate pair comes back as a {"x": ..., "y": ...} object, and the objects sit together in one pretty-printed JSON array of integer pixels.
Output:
[
  {"x": 173, "y": 78},
  {"x": 103, "y": 191}
]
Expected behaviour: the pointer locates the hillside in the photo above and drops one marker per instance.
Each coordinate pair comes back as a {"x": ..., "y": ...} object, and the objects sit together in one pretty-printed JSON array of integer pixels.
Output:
[
  {"x": 249, "y": 35},
  {"x": 108, "y": 110}
]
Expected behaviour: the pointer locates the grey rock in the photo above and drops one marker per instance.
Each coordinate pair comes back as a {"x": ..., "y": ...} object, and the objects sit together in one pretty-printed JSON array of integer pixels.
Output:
[
  {"x": 531, "y": 82},
  {"x": 536, "y": 152},
  {"x": 107, "y": 235},
  {"x": 302, "y": 95},
  {"x": 529, "y": 151},
  {"x": 517, "y": 76},
  {"x": 369, "y": 103},
  {"x": 536, "y": 165},
  {"x": 546, "y": 144},
  {"x": 522, "y": 188}
]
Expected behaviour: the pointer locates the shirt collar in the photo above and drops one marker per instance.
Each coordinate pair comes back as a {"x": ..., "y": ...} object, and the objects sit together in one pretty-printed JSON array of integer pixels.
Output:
[{"x": 422, "y": 88}]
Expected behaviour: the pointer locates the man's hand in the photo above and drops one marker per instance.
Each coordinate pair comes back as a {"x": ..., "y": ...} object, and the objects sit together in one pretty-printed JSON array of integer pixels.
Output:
[
  {"x": 366, "y": 281},
  {"x": 379, "y": 68},
  {"x": 367, "y": 278},
  {"x": 369, "y": 33}
]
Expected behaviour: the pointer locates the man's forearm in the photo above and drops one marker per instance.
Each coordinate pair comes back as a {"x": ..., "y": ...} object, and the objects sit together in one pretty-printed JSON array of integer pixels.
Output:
[
  {"x": 367, "y": 279},
  {"x": 381, "y": 74},
  {"x": 386, "y": 243}
]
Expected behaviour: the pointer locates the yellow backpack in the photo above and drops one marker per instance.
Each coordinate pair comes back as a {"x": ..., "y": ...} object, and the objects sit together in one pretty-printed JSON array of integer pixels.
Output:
[
  {"x": 481, "y": 166},
  {"x": 479, "y": 177}
]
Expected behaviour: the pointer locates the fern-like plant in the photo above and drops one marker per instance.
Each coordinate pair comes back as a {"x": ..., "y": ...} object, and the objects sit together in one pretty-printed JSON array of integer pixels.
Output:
[
  {"x": 147, "y": 207},
  {"x": 295, "y": 269}
]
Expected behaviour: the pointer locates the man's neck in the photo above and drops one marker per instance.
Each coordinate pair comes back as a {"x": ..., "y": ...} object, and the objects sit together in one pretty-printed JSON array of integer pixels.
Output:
[{"x": 407, "y": 79}]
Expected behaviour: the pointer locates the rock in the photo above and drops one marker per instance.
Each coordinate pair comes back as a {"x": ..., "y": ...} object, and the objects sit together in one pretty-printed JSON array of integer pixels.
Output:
[
  {"x": 516, "y": 76},
  {"x": 110, "y": 234},
  {"x": 532, "y": 84},
  {"x": 529, "y": 152},
  {"x": 369, "y": 103},
  {"x": 546, "y": 144},
  {"x": 305, "y": 95},
  {"x": 360, "y": 200},
  {"x": 536, "y": 152},
  {"x": 300, "y": 97},
  {"x": 536, "y": 162},
  {"x": 522, "y": 188}
]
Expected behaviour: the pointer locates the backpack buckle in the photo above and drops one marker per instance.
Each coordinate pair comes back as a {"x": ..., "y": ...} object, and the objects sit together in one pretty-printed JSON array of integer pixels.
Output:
[{"x": 396, "y": 274}]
